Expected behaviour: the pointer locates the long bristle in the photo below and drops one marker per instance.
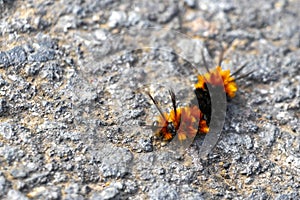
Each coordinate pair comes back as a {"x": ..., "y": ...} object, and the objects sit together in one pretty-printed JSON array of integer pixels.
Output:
[
  {"x": 244, "y": 75},
  {"x": 204, "y": 62},
  {"x": 221, "y": 56},
  {"x": 173, "y": 98},
  {"x": 156, "y": 105},
  {"x": 239, "y": 69}
]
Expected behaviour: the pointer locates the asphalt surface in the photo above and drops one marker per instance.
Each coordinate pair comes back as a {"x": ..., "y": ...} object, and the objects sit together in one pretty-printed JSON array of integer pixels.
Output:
[{"x": 75, "y": 121}]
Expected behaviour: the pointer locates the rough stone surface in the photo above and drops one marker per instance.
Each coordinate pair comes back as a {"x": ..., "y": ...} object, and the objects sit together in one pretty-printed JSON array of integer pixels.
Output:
[{"x": 76, "y": 123}]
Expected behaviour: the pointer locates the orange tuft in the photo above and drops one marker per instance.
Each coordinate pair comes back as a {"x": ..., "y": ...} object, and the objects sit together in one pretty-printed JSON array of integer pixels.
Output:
[
  {"x": 175, "y": 119},
  {"x": 187, "y": 122},
  {"x": 218, "y": 77}
]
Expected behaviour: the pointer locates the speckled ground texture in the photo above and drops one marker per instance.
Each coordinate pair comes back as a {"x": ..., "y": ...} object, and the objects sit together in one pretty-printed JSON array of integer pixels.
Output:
[{"x": 72, "y": 107}]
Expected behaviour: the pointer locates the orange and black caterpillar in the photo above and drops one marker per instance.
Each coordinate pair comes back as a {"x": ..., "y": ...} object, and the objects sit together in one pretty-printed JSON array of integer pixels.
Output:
[
  {"x": 185, "y": 122},
  {"x": 219, "y": 79}
]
